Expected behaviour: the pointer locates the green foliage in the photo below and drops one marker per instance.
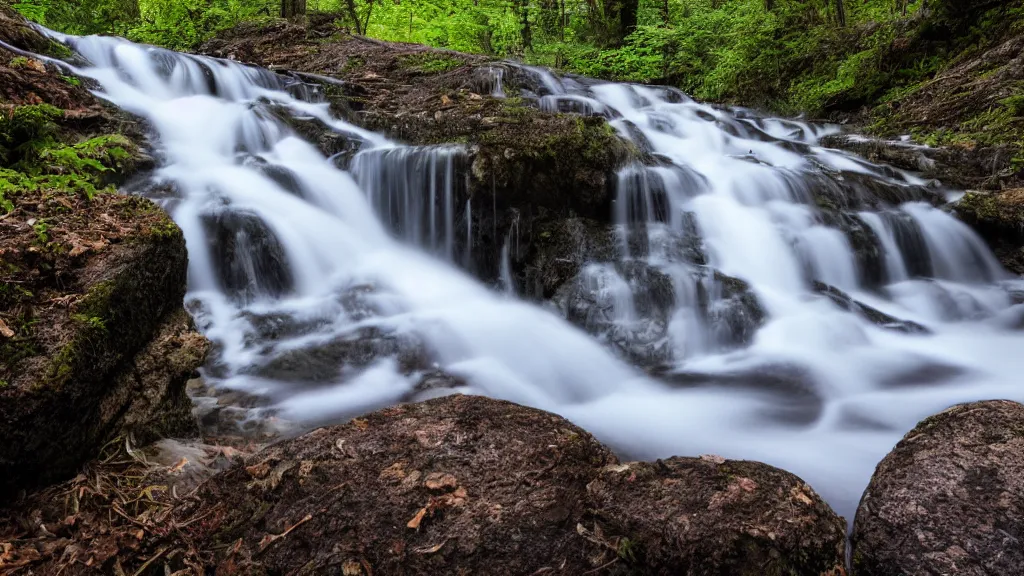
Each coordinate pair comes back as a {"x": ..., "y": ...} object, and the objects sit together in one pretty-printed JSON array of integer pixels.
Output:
[
  {"x": 35, "y": 161},
  {"x": 41, "y": 228},
  {"x": 793, "y": 56}
]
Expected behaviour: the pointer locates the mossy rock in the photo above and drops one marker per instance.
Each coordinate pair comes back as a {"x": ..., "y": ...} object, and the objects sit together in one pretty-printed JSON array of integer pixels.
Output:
[{"x": 94, "y": 342}]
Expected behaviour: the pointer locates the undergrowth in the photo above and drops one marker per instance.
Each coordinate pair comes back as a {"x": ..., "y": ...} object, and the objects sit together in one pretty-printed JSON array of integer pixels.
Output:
[{"x": 35, "y": 159}]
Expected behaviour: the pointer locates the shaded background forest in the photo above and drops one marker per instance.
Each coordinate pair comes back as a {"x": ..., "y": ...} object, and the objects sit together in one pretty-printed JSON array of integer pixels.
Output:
[{"x": 792, "y": 56}]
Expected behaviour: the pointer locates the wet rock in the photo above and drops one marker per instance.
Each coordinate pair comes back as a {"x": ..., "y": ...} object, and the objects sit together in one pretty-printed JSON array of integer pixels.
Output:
[
  {"x": 462, "y": 484},
  {"x": 729, "y": 308},
  {"x": 247, "y": 256},
  {"x": 526, "y": 170},
  {"x": 998, "y": 217},
  {"x": 948, "y": 498},
  {"x": 329, "y": 360},
  {"x": 877, "y": 317},
  {"x": 627, "y": 306},
  {"x": 151, "y": 392},
  {"x": 552, "y": 251},
  {"x": 714, "y": 516},
  {"x": 788, "y": 391}
]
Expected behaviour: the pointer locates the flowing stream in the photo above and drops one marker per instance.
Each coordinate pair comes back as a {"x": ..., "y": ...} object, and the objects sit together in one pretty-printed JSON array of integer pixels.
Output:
[{"x": 332, "y": 287}]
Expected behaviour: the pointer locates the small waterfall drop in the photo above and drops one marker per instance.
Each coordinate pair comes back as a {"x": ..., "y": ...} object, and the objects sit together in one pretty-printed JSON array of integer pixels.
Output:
[{"x": 748, "y": 256}]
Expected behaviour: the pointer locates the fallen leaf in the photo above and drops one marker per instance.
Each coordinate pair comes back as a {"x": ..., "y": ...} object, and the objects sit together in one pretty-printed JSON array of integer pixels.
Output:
[
  {"x": 178, "y": 467},
  {"x": 800, "y": 496},
  {"x": 475, "y": 96},
  {"x": 258, "y": 470},
  {"x": 77, "y": 249},
  {"x": 360, "y": 423},
  {"x": 5, "y": 331},
  {"x": 440, "y": 481},
  {"x": 394, "y": 472},
  {"x": 445, "y": 100},
  {"x": 415, "y": 522},
  {"x": 431, "y": 549},
  {"x": 352, "y": 568},
  {"x": 36, "y": 65}
]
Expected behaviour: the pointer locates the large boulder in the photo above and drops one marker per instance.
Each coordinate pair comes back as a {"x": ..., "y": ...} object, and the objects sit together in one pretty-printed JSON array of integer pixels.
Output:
[
  {"x": 94, "y": 342},
  {"x": 949, "y": 498},
  {"x": 465, "y": 484},
  {"x": 999, "y": 218},
  {"x": 709, "y": 515}
]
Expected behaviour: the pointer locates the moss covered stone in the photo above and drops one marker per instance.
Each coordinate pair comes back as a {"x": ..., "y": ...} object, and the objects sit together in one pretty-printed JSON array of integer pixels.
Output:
[
  {"x": 88, "y": 279},
  {"x": 526, "y": 171}
]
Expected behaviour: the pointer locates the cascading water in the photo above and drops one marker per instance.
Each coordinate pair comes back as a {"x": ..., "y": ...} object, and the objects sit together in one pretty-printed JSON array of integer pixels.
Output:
[{"x": 331, "y": 292}]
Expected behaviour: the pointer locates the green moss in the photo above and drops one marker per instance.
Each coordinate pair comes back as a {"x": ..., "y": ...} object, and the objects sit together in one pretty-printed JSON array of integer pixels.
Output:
[
  {"x": 94, "y": 312},
  {"x": 430, "y": 63},
  {"x": 58, "y": 50},
  {"x": 36, "y": 161},
  {"x": 352, "y": 63},
  {"x": 18, "y": 62}
]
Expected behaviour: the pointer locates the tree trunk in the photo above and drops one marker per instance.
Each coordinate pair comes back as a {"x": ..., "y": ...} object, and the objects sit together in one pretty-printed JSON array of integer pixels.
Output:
[
  {"x": 369, "y": 11},
  {"x": 840, "y": 13},
  {"x": 628, "y": 18},
  {"x": 524, "y": 25},
  {"x": 352, "y": 13},
  {"x": 292, "y": 8}
]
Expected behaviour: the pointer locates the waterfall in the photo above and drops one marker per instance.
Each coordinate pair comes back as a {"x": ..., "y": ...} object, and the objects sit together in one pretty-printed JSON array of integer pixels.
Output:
[{"x": 330, "y": 292}]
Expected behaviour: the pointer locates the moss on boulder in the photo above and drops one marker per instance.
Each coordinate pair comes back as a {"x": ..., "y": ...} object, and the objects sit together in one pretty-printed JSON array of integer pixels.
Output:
[
  {"x": 524, "y": 169},
  {"x": 88, "y": 279},
  {"x": 999, "y": 218}
]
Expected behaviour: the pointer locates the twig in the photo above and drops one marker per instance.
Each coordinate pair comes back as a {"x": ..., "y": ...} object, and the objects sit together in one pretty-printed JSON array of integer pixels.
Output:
[
  {"x": 601, "y": 567},
  {"x": 269, "y": 539},
  {"x": 150, "y": 561}
]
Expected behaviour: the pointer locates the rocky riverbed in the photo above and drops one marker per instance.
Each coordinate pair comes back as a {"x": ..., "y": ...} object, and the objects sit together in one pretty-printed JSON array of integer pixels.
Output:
[{"x": 97, "y": 350}]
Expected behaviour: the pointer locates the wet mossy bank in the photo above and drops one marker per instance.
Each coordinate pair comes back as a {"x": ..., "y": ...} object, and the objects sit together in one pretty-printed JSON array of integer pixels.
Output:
[
  {"x": 94, "y": 342},
  {"x": 519, "y": 168}
]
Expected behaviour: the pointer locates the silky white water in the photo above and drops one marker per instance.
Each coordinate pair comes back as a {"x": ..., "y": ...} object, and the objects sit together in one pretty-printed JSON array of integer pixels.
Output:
[{"x": 278, "y": 234}]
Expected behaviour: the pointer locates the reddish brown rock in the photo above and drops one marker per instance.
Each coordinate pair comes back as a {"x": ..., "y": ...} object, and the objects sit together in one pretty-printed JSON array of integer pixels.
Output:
[
  {"x": 709, "y": 516},
  {"x": 949, "y": 498},
  {"x": 455, "y": 485}
]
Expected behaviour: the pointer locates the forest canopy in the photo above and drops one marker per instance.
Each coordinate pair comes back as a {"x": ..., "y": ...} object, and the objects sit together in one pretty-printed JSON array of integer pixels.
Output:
[{"x": 789, "y": 55}]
